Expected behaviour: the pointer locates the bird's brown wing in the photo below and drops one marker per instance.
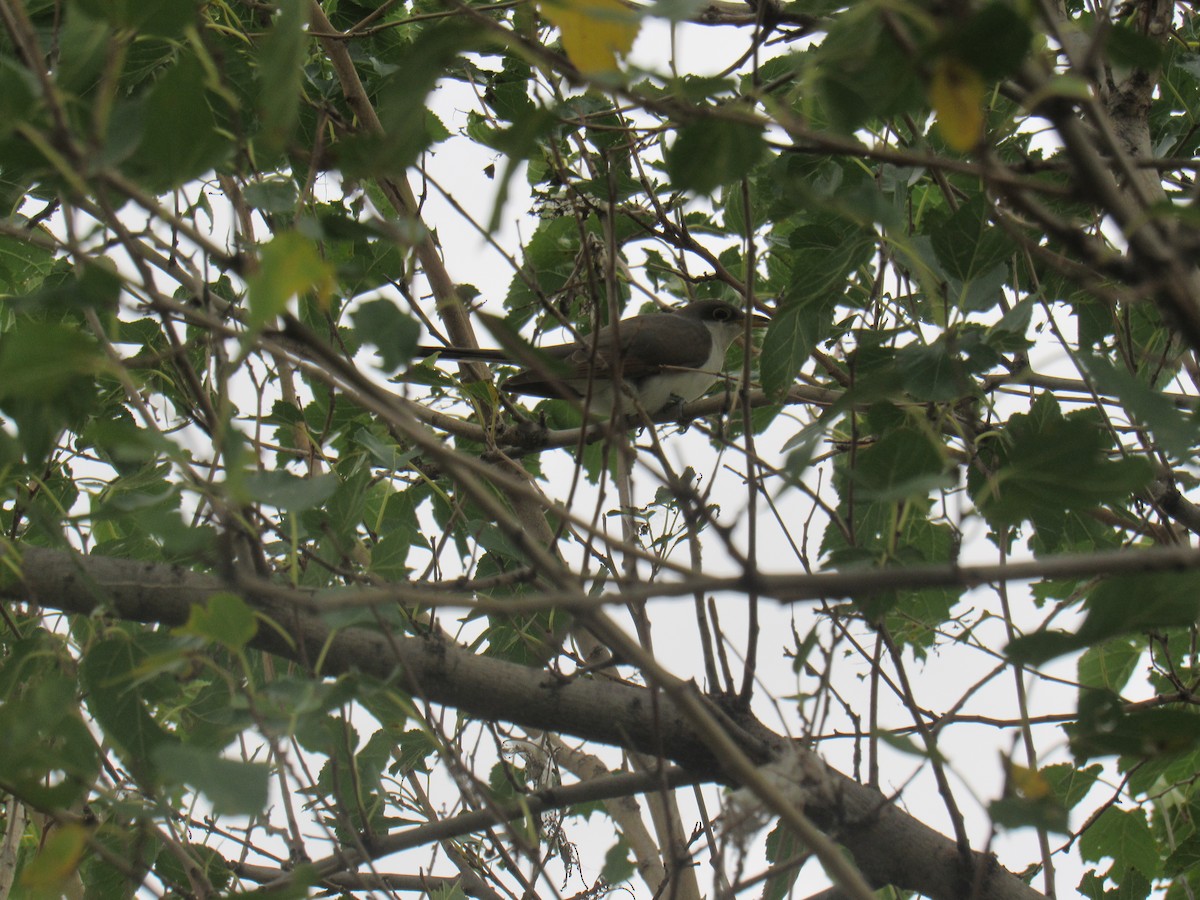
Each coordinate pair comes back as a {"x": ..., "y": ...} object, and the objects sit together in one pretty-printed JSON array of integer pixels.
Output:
[
  {"x": 547, "y": 375},
  {"x": 687, "y": 347},
  {"x": 596, "y": 354}
]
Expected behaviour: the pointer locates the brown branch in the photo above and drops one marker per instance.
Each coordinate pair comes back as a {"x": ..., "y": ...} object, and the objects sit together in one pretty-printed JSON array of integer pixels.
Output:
[
  {"x": 793, "y": 588},
  {"x": 330, "y": 869},
  {"x": 888, "y": 845}
]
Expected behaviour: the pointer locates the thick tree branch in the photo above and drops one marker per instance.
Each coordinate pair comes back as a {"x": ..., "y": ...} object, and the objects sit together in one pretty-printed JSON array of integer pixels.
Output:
[{"x": 888, "y": 845}]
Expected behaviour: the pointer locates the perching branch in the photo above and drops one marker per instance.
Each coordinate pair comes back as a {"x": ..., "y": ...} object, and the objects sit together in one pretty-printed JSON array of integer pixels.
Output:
[{"x": 887, "y": 845}]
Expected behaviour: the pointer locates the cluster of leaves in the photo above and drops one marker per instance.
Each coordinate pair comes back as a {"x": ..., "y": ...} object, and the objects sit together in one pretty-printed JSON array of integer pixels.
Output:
[{"x": 192, "y": 338}]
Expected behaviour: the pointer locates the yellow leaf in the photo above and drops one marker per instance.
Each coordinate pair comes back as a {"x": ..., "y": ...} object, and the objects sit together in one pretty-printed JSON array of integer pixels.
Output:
[
  {"x": 1029, "y": 782},
  {"x": 594, "y": 32},
  {"x": 956, "y": 93},
  {"x": 56, "y": 861}
]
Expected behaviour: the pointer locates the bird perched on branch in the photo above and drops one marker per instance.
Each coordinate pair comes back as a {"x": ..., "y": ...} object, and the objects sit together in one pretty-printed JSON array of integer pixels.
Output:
[{"x": 661, "y": 359}]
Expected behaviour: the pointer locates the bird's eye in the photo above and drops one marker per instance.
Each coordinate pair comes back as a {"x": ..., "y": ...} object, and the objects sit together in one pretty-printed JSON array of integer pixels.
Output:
[{"x": 721, "y": 313}]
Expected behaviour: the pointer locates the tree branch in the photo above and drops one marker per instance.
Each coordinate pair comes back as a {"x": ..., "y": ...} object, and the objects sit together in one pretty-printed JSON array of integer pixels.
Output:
[{"x": 888, "y": 845}]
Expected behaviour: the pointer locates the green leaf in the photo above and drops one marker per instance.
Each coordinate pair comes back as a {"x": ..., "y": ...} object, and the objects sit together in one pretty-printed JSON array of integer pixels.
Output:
[
  {"x": 1105, "y": 726},
  {"x": 225, "y": 619},
  {"x": 118, "y": 861},
  {"x": 389, "y": 554},
  {"x": 618, "y": 867},
  {"x": 84, "y": 42},
  {"x": 280, "y": 73},
  {"x": 44, "y": 360},
  {"x": 1042, "y": 462},
  {"x": 1184, "y": 858},
  {"x": 394, "y": 333},
  {"x": 1091, "y": 886},
  {"x": 916, "y": 259},
  {"x": 917, "y": 617},
  {"x": 233, "y": 787},
  {"x": 782, "y": 846},
  {"x": 863, "y": 71},
  {"x": 1150, "y": 773},
  {"x": 1134, "y": 602},
  {"x": 122, "y": 441},
  {"x": 1025, "y": 812},
  {"x": 675, "y": 10},
  {"x": 108, "y": 673},
  {"x": 47, "y": 754},
  {"x": 386, "y": 452},
  {"x": 1173, "y": 430},
  {"x": 1109, "y": 664},
  {"x": 932, "y": 372},
  {"x": 452, "y": 891},
  {"x": 288, "y": 265},
  {"x": 415, "y": 748},
  {"x": 342, "y": 514},
  {"x": 994, "y": 40},
  {"x": 1129, "y": 47},
  {"x": 983, "y": 292},
  {"x": 903, "y": 463},
  {"x": 508, "y": 93},
  {"x": 1117, "y": 606},
  {"x": 273, "y": 195},
  {"x": 180, "y": 140},
  {"x": 284, "y": 490},
  {"x": 907, "y": 745},
  {"x": 208, "y": 864},
  {"x": 165, "y": 18},
  {"x": 17, "y": 92},
  {"x": 408, "y": 127},
  {"x": 709, "y": 153},
  {"x": 1040, "y": 646},
  {"x": 548, "y": 262},
  {"x": 91, "y": 286},
  {"x": 789, "y": 342},
  {"x": 973, "y": 253},
  {"x": 1008, "y": 335},
  {"x": 821, "y": 255},
  {"x": 1124, "y": 835},
  {"x": 1071, "y": 783}
]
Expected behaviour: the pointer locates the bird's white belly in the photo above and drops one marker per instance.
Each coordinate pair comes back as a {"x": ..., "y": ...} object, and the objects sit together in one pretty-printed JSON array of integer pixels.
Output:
[
  {"x": 675, "y": 387},
  {"x": 658, "y": 391}
]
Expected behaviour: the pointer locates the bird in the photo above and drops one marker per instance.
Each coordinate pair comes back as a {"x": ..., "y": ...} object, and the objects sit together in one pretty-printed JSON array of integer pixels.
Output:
[{"x": 664, "y": 359}]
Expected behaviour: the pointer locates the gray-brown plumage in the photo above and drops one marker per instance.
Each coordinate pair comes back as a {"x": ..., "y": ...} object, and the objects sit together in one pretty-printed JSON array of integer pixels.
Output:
[{"x": 664, "y": 358}]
